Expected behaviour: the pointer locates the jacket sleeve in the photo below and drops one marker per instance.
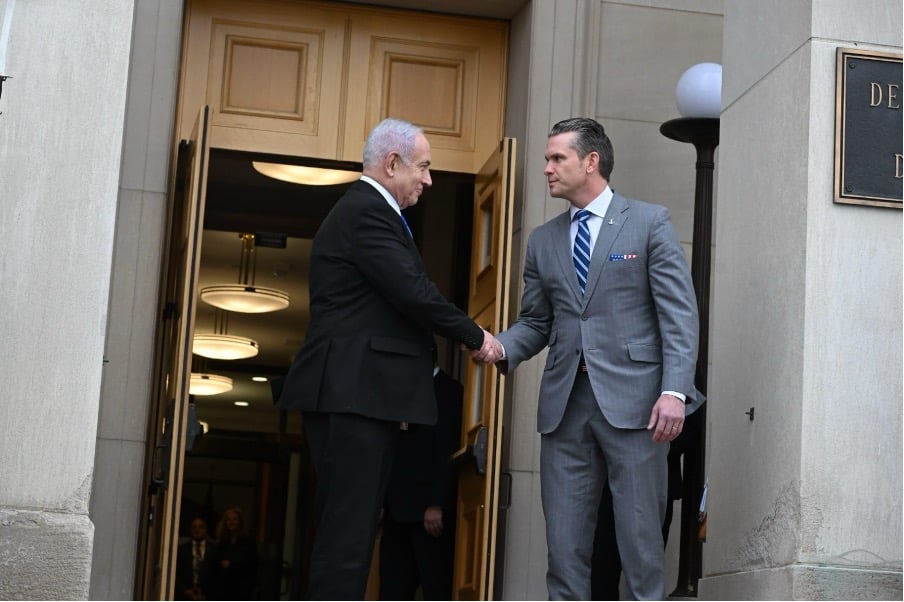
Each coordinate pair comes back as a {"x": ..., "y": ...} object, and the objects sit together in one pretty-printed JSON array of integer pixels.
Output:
[
  {"x": 673, "y": 293},
  {"x": 530, "y": 333},
  {"x": 389, "y": 265}
]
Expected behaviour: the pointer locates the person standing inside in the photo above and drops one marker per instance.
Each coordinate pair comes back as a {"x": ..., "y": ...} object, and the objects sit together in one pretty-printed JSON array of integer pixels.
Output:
[
  {"x": 365, "y": 365},
  {"x": 417, "y": 544},
  {"x": 608, "y": 289},
  {"x": 235, "y": 558},
  {"x": 195, "y": 563}
]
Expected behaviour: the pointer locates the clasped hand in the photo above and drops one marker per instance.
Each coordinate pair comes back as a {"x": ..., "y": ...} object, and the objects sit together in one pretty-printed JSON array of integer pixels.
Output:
[{"x": 490, "y": 352}]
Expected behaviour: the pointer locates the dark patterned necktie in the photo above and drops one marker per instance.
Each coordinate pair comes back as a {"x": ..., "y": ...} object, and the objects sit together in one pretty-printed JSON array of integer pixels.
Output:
[
  {"x": 196, "y": 564},
  {"x": 581, "y": 253}
]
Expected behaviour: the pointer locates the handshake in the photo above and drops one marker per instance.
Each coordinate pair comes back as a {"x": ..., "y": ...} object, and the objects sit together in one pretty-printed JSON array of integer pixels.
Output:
[{"x": 490, "y": 352}]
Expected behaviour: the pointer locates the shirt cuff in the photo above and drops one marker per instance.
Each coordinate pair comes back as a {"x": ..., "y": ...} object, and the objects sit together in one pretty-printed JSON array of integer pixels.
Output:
[{"x": 680, "y": 396}]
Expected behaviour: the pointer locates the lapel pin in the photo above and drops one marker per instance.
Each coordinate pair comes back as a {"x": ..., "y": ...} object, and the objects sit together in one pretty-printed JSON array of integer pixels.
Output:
[{"x": 611, "y": 222}]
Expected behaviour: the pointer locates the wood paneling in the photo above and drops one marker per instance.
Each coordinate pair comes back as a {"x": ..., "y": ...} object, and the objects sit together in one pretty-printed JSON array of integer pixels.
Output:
[
  {"x": 271, "y": 74},
  {"x": 445, "y": 74},
  {"x": 311, "y": 79}
]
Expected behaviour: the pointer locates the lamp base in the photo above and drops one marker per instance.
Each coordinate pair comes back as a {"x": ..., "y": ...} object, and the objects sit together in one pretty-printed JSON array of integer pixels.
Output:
[{"x": 695, "y": 130}]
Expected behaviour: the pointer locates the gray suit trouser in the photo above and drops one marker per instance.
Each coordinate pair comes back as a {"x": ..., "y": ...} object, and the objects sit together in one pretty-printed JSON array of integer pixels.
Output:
[{"x": 575, "y": 461}]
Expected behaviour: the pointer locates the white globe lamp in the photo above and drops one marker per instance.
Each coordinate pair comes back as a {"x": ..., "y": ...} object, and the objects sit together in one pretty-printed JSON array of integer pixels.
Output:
[{"x": 699, "y": 91}]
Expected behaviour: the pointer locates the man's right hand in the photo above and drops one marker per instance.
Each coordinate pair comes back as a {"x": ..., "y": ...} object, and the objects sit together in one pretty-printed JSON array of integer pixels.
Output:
[{"x": 490, "y": 352}]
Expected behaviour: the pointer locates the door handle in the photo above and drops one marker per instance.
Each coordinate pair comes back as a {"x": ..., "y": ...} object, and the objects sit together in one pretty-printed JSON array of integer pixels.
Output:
[
  {"x": 159, "y": 465},
  {"x": 160, "y": 461},
  {"x": 505, "y": 502},
  {"x": 477, "y": 450}
]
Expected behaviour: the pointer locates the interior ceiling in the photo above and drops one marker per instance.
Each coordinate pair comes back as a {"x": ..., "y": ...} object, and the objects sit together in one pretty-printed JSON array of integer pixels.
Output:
[{"x": 239, "y": 199}]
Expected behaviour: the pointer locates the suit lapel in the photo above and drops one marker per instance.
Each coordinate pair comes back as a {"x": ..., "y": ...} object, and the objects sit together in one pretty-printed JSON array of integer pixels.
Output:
[
  {"x": 612, "y": 224},
  {"x": 395, "y": 218},
  {"x": 562, "y": 237}
]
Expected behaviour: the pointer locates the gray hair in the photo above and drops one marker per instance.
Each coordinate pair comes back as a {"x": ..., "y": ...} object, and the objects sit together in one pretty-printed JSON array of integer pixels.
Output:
[{"x": 390, "y": 135}]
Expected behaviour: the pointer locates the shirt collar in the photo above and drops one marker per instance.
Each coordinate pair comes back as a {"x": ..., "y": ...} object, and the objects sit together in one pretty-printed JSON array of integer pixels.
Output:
[
  {"x": 597, "y": 206},
  {"x": 385, "y": 193}
]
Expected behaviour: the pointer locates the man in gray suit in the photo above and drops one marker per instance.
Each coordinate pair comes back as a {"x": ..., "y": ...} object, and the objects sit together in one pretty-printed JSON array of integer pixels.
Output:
[{"x": 608, "y": 289}]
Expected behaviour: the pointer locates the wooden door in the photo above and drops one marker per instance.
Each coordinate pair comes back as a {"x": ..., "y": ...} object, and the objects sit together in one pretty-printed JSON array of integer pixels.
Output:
[
  {"x": 167, "y": 438},
  {"x": 479, "y": 457}
]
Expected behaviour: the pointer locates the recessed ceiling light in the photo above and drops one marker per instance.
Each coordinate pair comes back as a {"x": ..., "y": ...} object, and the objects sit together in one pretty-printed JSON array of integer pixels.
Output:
[
  {"x": 259, "y": 379},
  {"x": 241, "y": 404}
]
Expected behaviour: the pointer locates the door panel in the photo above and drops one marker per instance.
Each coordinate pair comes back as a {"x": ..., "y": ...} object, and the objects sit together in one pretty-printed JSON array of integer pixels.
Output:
[
  {"x": 479, "y": 457},
  {"x": 167, "y": 439},
  {"x": 271, "y": 72},
  {"x": 311, "y": 79},
  {"x": 443, "y": 73}
]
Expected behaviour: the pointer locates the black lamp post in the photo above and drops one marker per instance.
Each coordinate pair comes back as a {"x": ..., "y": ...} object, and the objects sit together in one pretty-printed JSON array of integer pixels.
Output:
[{"x": 699, "y": 93}]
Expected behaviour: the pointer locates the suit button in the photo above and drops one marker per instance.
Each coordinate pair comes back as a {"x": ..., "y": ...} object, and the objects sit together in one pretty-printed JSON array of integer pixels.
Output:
[{"x": 585, "y": 318}]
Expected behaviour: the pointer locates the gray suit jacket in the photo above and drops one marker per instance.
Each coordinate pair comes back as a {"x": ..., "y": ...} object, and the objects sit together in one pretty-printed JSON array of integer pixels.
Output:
[{"x": 636, "y": 325}]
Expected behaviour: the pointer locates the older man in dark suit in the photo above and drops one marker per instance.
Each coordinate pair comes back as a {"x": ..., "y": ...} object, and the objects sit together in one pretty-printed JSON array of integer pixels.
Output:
[{"x": 365, "y": 366}]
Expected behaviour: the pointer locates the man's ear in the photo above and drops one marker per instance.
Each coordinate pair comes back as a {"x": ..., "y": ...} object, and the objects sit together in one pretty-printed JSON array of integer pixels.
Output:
[
  {"x": 593, "y": 161},
  {"x": 392, "y": 159}
]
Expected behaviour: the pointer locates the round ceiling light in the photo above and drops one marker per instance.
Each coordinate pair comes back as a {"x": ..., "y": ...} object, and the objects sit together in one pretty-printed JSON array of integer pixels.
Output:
[
  {"x": 245, "y": 298},
  {"x": 208, "y": 384},
  {"x": 224, "y": 346}
]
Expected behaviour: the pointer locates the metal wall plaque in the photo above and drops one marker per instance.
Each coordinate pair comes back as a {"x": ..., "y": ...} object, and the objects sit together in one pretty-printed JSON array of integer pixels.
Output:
[{"x": 868, "y": 128}]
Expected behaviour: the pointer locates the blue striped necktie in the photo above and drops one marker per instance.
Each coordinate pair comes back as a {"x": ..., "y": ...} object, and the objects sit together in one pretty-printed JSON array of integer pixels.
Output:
[{"x": 581, "y": 253}]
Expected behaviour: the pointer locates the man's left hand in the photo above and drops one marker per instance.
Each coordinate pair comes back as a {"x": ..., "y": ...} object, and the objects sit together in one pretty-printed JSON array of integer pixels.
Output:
[
  {"x": 667, "y": 418},
  {"x": 433, "y": 520}
]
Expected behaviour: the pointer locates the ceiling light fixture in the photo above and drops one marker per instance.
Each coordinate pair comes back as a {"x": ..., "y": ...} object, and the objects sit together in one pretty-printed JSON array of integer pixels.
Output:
[
  {"x": 224, "y": 346},
  {"x": 245, "y": 297},
  {"x": 300, "y": 174},
  {"x": 208, "y": 384},
  {"x": 220, "y": 345}
]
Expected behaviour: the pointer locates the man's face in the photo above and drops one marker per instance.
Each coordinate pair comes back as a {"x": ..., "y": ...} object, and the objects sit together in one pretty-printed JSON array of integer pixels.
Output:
[
  {"x": 566, "y": 173},
  {"x": 198, "y": 529},
  {"x": 411, "y": 178}
]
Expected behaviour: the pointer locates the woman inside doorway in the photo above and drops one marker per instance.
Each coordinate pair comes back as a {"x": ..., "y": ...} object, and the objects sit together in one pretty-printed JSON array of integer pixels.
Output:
[{"x": 235, "y": 559}]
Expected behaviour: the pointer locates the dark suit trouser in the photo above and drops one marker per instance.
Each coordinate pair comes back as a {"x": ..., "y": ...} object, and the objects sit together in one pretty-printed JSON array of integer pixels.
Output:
[
  {"x": 409, "y": 556},
  {"x": 352, "y": 458},
  {"x": 575, "y": 462}
]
